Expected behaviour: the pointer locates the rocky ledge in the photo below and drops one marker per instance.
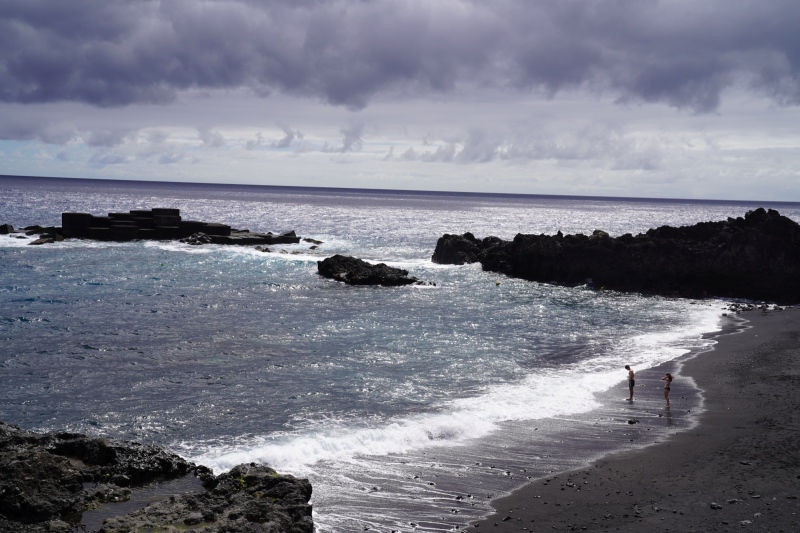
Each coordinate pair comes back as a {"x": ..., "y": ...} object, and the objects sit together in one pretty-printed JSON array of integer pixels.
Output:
[
  {"x": 47, "y": 482},
  {"x": 354, "y": 271},
  {"x": 755, "y": 257},
  {"x": 243, "y": 238},
  {"x": 152, "y": 224}
]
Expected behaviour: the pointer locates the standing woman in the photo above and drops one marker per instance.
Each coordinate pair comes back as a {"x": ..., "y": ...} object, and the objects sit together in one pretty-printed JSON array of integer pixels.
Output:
[{"x": 668, "y": 379}]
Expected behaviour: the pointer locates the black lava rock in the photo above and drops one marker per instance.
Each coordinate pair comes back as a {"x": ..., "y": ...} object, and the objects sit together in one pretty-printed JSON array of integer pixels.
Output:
[
  {"x": 45, "y": 485},
  {"x": 251, "y": 497},
  {"x": 355, "y": 271},
  {"x": 756, "y": 256}
]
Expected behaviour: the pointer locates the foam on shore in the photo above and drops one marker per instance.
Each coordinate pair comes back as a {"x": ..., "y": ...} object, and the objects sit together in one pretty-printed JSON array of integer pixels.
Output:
[{"x": 737, "y": 467}]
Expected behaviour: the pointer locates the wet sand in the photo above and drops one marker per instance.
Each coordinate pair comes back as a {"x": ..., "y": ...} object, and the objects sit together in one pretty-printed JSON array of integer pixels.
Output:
[{"x": 738, "y": 469}]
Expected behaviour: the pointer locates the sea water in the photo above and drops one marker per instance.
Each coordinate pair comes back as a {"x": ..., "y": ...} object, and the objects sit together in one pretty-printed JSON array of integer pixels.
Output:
[{"x": 408, "y": 408}]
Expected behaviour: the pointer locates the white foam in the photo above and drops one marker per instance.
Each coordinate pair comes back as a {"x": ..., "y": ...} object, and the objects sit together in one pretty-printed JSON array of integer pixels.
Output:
[
  {"x": 544, "y": 394},
  {"x": 304, "y": 257},
  {"x": 11, "y": 241},
  {"x": 457, "y": 421},
  {"x": 177, "y": 246},
  {"x": 653, "y": 349}
]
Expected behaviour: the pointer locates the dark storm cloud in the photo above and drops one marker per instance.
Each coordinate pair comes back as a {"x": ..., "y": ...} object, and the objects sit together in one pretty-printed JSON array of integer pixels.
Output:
[{"x": 680, "y": 53}]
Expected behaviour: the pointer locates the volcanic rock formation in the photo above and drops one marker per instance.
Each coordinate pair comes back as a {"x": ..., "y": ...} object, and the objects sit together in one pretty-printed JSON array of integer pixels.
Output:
[
  {"x": 48, "y": 480},
  {"x": 355, "y": 271},
  {"x": 756, "y": 257},
  {"x": 154, "y": 224}
]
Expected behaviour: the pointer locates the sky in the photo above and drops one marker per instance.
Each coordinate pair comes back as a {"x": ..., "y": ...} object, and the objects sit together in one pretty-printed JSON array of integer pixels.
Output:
[{"x": 638, "y": 98}]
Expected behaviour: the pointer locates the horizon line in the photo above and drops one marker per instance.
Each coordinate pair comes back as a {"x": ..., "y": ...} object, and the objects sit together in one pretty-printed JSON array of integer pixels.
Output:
[{"x": 403, "y": 191}]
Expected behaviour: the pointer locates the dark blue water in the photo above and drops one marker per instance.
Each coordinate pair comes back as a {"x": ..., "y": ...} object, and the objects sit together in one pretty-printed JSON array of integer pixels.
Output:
[{"x": 228, "y": 354}]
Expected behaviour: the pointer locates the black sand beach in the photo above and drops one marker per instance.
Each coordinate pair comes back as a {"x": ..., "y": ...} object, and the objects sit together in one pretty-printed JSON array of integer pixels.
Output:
[{"x": 739, "y": 469}]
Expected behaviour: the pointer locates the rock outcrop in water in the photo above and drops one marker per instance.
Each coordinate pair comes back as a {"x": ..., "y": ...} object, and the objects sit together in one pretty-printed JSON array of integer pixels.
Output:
[
  {"x": 154, "y": 224},
  {"x": 243, "y": 238},
  {"x": 355, "y": 271},
  {"x": 48, "y": 480},
  {"x": 756, "y": 256}
]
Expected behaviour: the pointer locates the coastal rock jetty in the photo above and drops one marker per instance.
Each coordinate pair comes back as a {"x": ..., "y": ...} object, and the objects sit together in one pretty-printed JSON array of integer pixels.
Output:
[
  {"x": 354, "y": 271},
  {"x": 153, "y": 224},
  {"x": 49, "y": 481},
  {"x": 162, "y": 224},
  {"x": 755, "y": 257}
]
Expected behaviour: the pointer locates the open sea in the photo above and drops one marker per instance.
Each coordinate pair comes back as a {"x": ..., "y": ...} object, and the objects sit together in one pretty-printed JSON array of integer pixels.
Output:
[{"x": 408, "y": 408}]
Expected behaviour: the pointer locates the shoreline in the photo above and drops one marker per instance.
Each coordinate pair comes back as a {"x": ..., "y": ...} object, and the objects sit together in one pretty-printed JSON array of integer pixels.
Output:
[{"x": 739, "y": 467}]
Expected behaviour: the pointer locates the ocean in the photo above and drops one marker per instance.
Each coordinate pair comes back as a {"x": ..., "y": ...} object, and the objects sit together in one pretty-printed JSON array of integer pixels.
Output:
[{"x": 408, "y": 408}]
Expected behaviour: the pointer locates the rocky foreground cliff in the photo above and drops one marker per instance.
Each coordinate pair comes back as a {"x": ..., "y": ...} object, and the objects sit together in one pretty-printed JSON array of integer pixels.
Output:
[
  {"x": 49, "y": 481},
  {"x": 755, "y": 257}
]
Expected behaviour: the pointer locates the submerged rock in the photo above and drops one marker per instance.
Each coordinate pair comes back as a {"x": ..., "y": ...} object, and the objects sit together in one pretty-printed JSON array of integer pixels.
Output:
[
  {"x": 755, "y": 257},
  {"x": 354, "y": 271}
]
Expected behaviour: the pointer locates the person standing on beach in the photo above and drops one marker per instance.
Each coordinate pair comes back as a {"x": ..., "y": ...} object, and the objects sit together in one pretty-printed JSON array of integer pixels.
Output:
[
  {"x": 631, "y": 381},
  {"x": 668, "y": 378}
]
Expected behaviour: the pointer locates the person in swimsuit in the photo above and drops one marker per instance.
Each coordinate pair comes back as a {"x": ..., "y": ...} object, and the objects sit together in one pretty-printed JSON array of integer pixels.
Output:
[
  {"x": 668, "y": 379},
  {"x": 631, "y": 381}
]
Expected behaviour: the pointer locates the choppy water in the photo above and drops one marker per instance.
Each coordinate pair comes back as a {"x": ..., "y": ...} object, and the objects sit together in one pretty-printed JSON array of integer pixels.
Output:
[{"x": 393, "y": 401}]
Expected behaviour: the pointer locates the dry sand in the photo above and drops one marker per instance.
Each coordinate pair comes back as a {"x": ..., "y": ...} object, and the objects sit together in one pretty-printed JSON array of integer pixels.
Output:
[{"x": 737, "y": 470}]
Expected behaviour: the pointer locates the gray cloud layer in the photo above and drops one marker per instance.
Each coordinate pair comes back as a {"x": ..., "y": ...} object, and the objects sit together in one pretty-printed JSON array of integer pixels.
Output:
[{"x": 345, "y": 52}]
